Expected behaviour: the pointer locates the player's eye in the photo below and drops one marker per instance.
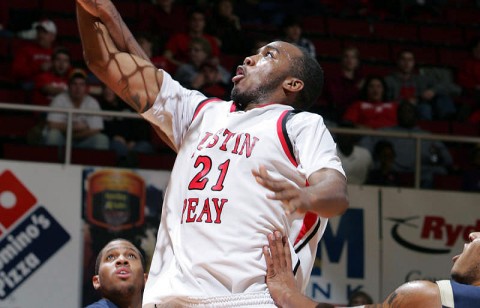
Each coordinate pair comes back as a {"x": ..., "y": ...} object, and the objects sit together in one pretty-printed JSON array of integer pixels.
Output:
[
  {"x": 269, "y": 54},
  {"x": 110, "y": 257},
  {"x": 132, "y": 256}
]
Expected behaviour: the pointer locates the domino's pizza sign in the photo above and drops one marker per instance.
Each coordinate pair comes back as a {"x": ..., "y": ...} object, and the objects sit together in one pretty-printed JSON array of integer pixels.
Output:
[{"x": 29, "y": 234}]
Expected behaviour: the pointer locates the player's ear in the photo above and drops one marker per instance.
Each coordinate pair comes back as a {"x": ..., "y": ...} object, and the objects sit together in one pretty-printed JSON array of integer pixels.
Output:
[
  {"x": 292, "y": 84},
  {"x": 96, "y": 282}
]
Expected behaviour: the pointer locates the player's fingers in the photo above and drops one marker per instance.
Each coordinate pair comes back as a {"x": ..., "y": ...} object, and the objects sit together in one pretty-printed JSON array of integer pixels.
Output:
[
  {"x": 268, "y": 261},
  {"x": 287, "y": 193},
  {"x": 287, "y": 252},
  {"x": 263, "y": 178},
  {"x": 280, "y": 249},
  {"x": 272, "y": 242}
]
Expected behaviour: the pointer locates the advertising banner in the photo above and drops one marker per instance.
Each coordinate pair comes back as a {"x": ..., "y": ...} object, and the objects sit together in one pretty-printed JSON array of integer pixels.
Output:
[
  {"x": 422, "y": 231},
  {"x": 40, "y": 235},
  {"x": 349, "y": 252}
]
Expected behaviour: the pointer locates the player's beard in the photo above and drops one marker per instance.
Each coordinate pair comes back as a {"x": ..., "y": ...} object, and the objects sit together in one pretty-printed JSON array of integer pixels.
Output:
[
  {"x": 258, "y": 95},
  {"x": 120, "y": 292}
]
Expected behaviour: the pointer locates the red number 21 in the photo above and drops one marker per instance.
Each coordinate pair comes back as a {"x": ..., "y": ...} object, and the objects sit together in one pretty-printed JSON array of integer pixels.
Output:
[{"x": 200, "y": 180}]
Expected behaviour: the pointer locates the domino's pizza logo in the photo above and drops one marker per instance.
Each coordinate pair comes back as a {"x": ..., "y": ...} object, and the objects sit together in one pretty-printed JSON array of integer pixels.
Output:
[{"x": 29, "y": 235}]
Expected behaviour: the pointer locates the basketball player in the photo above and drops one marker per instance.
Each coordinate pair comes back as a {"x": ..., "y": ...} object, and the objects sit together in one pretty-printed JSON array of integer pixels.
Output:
[
  {"x": 119, "y": 275},
  {"x": 462, "y": 291},
  {"x": 243, "y": 167}
]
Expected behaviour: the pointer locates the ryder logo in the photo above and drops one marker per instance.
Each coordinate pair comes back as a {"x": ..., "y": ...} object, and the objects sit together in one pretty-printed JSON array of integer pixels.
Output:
[
  {"x": 432, "y": 229},
  {"x": 29, "y": 235}
]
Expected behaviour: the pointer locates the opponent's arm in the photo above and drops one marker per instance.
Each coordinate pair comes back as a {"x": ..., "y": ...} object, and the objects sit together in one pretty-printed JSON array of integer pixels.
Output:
[
  {"x": 326, "y": 195},
  {"x": 113, "y": 56},
  {"x": 422, "y": 293}
]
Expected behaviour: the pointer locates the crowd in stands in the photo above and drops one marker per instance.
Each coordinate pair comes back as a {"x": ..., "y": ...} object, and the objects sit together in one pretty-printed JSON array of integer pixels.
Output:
[{"x": 201, "y": 42}]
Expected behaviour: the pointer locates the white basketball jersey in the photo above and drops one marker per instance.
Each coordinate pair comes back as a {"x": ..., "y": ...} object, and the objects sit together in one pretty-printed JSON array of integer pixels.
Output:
[{"x": 215, "y": 215}]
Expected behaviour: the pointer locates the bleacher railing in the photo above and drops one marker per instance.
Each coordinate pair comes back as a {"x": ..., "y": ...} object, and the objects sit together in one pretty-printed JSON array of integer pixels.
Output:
[{"x": 418, "y": 137}]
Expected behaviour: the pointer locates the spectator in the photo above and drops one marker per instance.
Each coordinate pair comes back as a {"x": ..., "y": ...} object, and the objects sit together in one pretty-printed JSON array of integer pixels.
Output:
[
  {"x": 356, "y": 160},
  {"x": 292, "y": 33},
  {"x": 161, "y": 20},
  {"x": 225, "y": 25},
  {"x": 54, "y": 81},
  {"x": 435, "y": 157},
  {"x": 214, "y": 84},
  {"x": 86, "y": 128},
  {"x": 147, "y": 44},
  {"x": 469, "y": 80},
  {"x": 343, "y": 86},
  {"x": 34, "y": 57},
  {"x": 372, "y": 110},
  {"x": 190, "y": 74},
  {"x": 119, "y": 275},
  {"x": 432, "y": 100},
  {"x": 127, "y": 136},
  {"x": 383, "y": 172},
  {"x": 359, "y": 298},
  {"x": 177, "y": 48}
]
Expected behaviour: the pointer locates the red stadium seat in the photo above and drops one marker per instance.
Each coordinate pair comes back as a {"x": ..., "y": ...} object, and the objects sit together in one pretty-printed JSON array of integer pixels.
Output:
[
  {"x": 156, "y": 161},
  {"x": 447, "y": 182},
  {"x": 314, "y": 25},
  {"x": 60, "y": 7},
  {"x": 16, "y": 126},
  {"x": 66, "y": 26},
  {"x": 467, "y": 16},
  {"x": 436, "y": 127},
  {"x": 349, "y": 28},
  {"x": 406, "y": 179},
  {"x": 465, "y": 129},
  {"x": 396, "y": 31},
  {"x": 23, "y": 4},
  {"x": 329, "y": 47},
  {"x": 444, "y": 35},
  {"x": 452, "y": 57},
  {"x": 372, "y": 50},
  {"x": 18, "y": 96},
  {"x": 93, "y": 157},
  {"x": 461, "y": 157},
  {"x": 23, "y": 152}
]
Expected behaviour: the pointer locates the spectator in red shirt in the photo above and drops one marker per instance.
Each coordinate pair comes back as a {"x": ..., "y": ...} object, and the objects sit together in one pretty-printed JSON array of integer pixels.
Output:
[
  {"x": 35, "y": 56},
  {"x": 343, "y": 86},
  {"x": 53, "y": 82},
  {"x": 372, "y": 110},
  {"x": 177, "y": 46}
]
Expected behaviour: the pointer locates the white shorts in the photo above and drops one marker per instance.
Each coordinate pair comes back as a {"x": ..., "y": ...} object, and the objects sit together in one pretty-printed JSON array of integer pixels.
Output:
[{"x": 251, "y": 299}]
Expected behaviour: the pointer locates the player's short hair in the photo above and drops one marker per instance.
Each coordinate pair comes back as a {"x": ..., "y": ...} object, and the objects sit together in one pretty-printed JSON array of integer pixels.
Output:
[
  {"x": 100, "y": 255},
  {"x": 307, "y": 69}
]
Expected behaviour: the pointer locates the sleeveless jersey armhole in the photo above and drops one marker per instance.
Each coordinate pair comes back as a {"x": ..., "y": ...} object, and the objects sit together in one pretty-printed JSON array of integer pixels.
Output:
[{"x": 446, "y": 293}]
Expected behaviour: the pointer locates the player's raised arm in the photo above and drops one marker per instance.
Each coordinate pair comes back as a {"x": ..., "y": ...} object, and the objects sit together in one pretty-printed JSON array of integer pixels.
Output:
[{"x": 114, "y": 56}]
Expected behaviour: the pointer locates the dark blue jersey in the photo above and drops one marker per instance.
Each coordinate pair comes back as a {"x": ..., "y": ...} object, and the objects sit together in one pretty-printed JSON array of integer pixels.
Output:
[{"x": 457, "y": 295}]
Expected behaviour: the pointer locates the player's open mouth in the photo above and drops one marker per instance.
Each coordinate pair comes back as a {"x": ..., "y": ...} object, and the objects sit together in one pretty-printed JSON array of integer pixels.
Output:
[
  {"x": 123, "y": 272},
  {"x": 239, "y": 74}
]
